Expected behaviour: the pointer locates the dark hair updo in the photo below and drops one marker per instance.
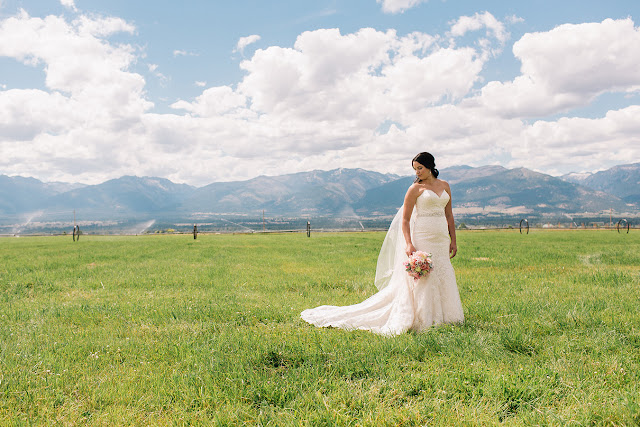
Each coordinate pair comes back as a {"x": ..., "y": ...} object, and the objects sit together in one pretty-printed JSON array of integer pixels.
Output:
[{"x": 426, "y": 160}]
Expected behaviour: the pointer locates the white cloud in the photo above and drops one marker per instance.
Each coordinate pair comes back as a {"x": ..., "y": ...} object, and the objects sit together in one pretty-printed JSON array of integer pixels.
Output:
[
  {"x": 399, "y": 6},
  {"x": 513, "y": 19},
  {"x": 584, "y": 58},
  {"x": 367, "y": 77},
  {"x": 76, "y": 61},
  {"x": 91, "y": 97},
  {"x": 568, "y": 67},
  {"x": 585, "y": 144},
  {"x": 494, "y": 28},
  {"x": 368, "y": 99},
  {"x": 102, "y": 26},
  {"x": 243, "y": 42},
  {"x": 69, "y": 4},
  {"x": 214, "y": 102},
  {"x": 178, "y": 52},
  {"x": 153, "y": 69},
  {"x": 26, "y": 113},
  {"x": 324, "y": 98},
  {"x": 321, "y": 102}
]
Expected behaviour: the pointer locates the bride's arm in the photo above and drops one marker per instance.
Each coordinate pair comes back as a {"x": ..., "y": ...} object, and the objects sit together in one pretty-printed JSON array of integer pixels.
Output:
[
  {"x": 409, "y": 202},
  {"x": 451, "y": 225}
]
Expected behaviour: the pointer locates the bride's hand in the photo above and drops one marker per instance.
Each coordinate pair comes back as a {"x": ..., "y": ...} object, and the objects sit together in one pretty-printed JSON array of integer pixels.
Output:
[
  {"x": 453, "y": 249},
  {"x": 410, "y": 249}
]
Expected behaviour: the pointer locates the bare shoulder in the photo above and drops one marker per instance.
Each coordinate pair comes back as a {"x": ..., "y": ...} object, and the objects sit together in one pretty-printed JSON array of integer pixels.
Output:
[
  {"x": 413, "y": 191},
  {"x": 446, "y": 186}
]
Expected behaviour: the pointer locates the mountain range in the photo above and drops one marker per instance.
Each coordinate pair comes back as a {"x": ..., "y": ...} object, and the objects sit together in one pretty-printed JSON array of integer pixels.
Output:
[
  {"x": 477, "y": 191},
  {"x": 622, "y": 181}
]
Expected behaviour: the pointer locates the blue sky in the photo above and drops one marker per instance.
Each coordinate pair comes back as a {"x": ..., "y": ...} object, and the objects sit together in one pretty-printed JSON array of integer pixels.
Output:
[{"x": 95, "y": 90}]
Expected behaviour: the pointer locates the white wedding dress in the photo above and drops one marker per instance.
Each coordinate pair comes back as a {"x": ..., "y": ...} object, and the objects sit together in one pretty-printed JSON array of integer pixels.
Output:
[{"x": 402, "y": 303}]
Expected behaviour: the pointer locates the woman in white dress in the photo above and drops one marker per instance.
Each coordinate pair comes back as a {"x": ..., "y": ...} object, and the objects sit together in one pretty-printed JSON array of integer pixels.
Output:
[{"x": 424, "y": 223}]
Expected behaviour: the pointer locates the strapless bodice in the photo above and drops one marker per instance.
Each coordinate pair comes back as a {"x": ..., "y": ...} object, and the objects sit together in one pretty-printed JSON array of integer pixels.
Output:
[
  {"x": 429, "y": 204},
  {"x": 430, "y": 232}
]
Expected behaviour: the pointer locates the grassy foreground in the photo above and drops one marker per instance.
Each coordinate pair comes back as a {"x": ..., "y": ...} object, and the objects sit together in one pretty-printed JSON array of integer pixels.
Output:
[{"x": 156, "y": 330}]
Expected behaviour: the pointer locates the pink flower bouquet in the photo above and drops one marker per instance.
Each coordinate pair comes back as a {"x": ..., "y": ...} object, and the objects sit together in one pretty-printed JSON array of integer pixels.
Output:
[{"x": 419, "y": 264}]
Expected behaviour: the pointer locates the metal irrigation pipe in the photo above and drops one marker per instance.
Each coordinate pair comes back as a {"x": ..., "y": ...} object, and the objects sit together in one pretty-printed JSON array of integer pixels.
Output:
[{"x": 622, "y": 221}]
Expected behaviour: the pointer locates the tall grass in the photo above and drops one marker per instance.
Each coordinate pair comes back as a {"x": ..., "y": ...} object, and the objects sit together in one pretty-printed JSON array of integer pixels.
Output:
[{"x": 156, "y": 330}]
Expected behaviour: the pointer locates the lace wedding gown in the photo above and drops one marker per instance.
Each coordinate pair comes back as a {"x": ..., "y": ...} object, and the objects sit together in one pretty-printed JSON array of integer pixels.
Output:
[{"x": 402, "y": 303}]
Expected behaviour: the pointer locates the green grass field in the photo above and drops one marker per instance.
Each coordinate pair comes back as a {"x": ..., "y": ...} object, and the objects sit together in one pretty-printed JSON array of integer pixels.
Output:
[{"x": 157, "y": 330}]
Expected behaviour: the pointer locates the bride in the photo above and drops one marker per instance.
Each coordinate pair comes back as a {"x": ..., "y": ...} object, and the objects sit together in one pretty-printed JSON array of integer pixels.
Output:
[{"x": 424, "y": 223}]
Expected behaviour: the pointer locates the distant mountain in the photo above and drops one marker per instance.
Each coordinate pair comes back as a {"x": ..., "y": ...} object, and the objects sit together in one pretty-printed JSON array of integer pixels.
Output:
[
  {"x": 386, "y": 199},
  {"x": 576, "y": 178},
  {"x": 524, "y": 191},
  {"x": 316, "y": 192},
  {"x": 622, "y": 181},
  {"x": 477, "y": 191},
  {"x": 122, "y": 196},
  {"x": 496, "y": 190},
  {"x": 19, "y": 194},
  {"x": 456, "y": 174}
]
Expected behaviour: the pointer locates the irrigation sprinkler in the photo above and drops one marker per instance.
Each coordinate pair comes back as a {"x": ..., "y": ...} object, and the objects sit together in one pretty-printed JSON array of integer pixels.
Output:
[
  {"x": 526, "y": 223},
  {"x": 621, "y": 224},
  {"x": 238, "y": 225}
]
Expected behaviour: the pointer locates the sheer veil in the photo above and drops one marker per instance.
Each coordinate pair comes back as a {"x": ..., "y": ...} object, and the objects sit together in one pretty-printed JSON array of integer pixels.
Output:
[{"x": 392, "y": 255}]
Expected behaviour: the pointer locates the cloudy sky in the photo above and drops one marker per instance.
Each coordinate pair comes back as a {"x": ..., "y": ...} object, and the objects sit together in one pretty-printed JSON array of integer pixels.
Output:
[{"x": 204, "y": 90}]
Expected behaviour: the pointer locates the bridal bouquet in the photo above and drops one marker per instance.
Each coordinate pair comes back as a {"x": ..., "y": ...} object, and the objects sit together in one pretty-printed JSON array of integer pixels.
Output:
[{"x": 419, "y": 264}]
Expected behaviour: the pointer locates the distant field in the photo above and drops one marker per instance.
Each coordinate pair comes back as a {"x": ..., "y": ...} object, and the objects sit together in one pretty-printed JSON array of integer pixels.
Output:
[{"x": 156, "y": 330}]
